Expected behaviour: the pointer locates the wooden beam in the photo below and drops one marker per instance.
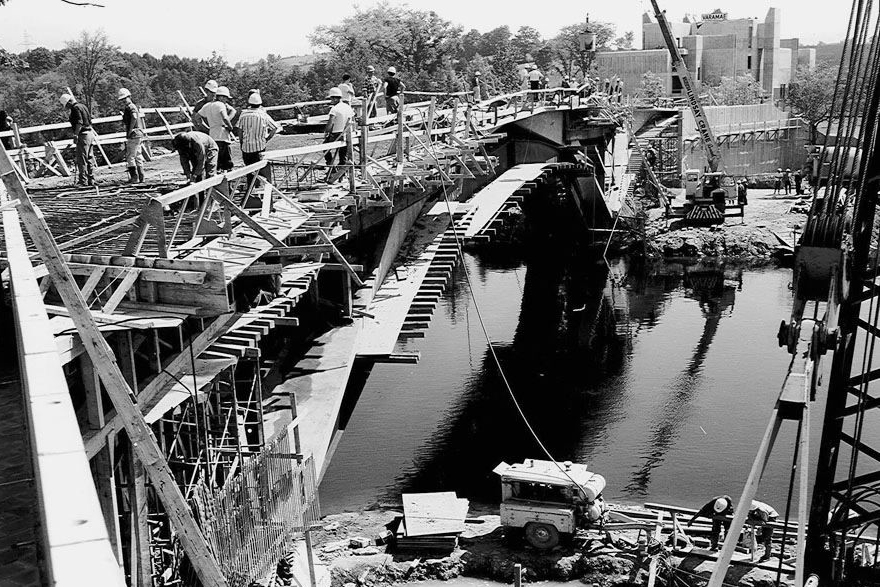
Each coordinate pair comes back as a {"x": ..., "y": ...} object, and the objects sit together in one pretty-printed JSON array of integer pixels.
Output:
[
  {"x": 141, "y": 436},
  {"x": 246, "y": 218}
]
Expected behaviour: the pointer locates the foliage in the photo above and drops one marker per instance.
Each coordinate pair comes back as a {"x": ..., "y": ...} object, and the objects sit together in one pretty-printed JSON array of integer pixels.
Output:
[
  {"x": 810, "y": 95},
  {"x": 570, "y": 57},
  {"x": 625, "y": 43},
  {"x": 743, "y": 89},
  {"x": 653, "y": 88},
  {"x": 89, "y": 62}
]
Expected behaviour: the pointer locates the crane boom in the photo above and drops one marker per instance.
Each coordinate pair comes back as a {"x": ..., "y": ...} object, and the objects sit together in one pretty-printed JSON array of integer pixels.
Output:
[{"x": 713, "y": 153}]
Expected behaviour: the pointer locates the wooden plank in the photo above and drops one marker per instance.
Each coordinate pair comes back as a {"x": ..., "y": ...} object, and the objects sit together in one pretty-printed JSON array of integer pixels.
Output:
[
  {"x": 206, "y": 566},
  {"x": 121, "y": 291}
]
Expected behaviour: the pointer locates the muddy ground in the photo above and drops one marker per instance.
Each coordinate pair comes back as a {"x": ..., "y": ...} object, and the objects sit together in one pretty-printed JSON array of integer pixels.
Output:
[{"x": 346, "y": 543}]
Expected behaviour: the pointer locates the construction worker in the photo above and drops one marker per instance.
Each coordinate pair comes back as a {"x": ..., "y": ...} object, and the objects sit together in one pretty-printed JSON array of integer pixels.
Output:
[
  {"x": 255, "y": 129},
  {"x": 210, "y": 87},
  {"x": 475, "y": 87},
  {"x": 535, "y": 78},
  {"x": 761, "y": 516},
  {"x": 341, "y": 116},
  {"x": 719, "y": 508},
  {"x": 393, "y": 88},
  {"x": 371, "y": 87},
  {"x": 777, "y": 181},
  {"x": 84, "y": 137},
  {"x": 798, "y": 177},
  {"x": 346, "y": 88},
  {"x": 217, "y": 116},
  {"x": 5, "y": 125},
  {"x": 134, "y": 136},
  {"x": 198, "y": 154},
  {"x": 786, "y": 181}
]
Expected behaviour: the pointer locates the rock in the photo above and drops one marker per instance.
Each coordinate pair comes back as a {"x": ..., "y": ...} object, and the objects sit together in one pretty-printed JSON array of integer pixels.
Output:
[
  {"x": 359, "y": 542},
  {"x": 365, "y": 551},
  {"x": 333, "y": 546},
  {"x": 332, "y": 527}
]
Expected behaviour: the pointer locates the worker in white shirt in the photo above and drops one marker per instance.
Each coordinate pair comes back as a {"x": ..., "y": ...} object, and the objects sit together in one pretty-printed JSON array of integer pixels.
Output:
[
  {"x": 535, "y": 78},
  {"x": 346, "y": 88},
  {"x": 341, "y": 115},
  {"x": 217, "y": 116}
]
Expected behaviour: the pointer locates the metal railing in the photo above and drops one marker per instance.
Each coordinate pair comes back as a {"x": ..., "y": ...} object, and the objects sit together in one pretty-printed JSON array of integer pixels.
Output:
[{"x": 251, "y": 523}]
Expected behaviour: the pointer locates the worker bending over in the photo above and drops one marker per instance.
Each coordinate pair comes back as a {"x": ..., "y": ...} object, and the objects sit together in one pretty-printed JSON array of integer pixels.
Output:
[
  {"x": 84, "y": 137},
  {"x": 719, "y": 508},
  {"x": 134, "y": 136},
  {"x": 198, "y": 155},
  {"x": 255, "y": 129},
  {"x": 341, "y": 116},
  {"x": 761, "y": 516}
]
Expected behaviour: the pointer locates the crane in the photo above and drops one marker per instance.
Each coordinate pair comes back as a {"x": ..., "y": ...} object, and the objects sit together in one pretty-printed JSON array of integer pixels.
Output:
[{"x": 709, "y": 194}]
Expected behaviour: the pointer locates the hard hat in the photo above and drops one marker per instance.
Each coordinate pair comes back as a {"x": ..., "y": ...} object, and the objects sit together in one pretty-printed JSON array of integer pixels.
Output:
[
  {"x": 255, "y": 99},
  {"x": 392, "y": 69},
  {"x": 65, "y": 99},
  {"x": 371, "y": 68},
  {"x": 334, "y": 93},
  {"x": 720, "y": 505},
  {"x": 476, "y": 73},
  {"x": 222, "y": 91},
  {"x": 123, "y": 93},
  {"x": 788, "y": 169},
  {"x": 778, "y": 169},
  {"x": 533, "y": 66},
  {"x": 211, "y": 85}
]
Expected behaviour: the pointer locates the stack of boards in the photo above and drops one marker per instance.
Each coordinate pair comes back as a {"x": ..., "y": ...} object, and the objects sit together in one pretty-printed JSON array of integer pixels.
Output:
[{"x": 430, "y": 521}]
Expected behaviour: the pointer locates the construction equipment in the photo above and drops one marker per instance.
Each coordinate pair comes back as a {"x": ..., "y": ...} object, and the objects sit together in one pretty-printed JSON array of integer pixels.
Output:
[
  {"x": 549, "y": 501},
  {"x": 708, "y": 195}
]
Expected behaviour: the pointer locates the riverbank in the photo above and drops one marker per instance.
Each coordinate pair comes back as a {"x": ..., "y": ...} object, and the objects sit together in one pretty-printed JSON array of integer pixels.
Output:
[
  {"x": 766, "y": 232},
  {"x": 346, "y": 544}
]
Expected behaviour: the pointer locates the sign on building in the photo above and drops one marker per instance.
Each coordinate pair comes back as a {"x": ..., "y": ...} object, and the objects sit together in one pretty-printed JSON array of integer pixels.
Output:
[{"x": 715, "y": 15}]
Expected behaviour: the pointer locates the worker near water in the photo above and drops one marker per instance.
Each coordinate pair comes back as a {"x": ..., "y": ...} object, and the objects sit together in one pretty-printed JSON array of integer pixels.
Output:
[
  {"x": 341, "y": 115},
  {"x": 133, "y": 125},
  {"x": 761, "y": 516},
  {"x": 255, "y": 129},
  {"x": 346, "y": 88},
  {"x": 84, "y": 137},
  {"x": 719, "y": 508},
  {"x": 217, "y": 116},
  {"x": 371, "y": 87},
  {"x": 475, "y": 87},
  {"x": 210, "y": 87},
  {"x": 6, "y": 125},
  {"x": 198, "y": 154},
  {"x": 786, "y": 181},
  {"x": 393, "y": 89}
]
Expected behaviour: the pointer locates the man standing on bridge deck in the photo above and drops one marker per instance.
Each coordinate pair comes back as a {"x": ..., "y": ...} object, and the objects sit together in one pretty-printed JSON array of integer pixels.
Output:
[
  {"x": 341, "y": 116},
  {"x": 719, "y": 508},
  {"x": 84, "y": 136},
  {"x": 535, "y": 82},
  {"x": 134, "y": 136},
  {"x": 210, "y": 87},
  {"x": 476, "y": 87},
  {"x": 198, "y": 155},
  {"x": 393, "y": 90},
  {"x": 255, "y": 129},
  {"x": 372, "y": 85},
  {"x": 346, "y": 88},
  {"x": 218, "y": 118}
]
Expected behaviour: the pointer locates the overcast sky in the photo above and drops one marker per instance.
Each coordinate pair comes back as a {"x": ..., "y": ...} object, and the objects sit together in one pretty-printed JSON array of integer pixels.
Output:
[{"x": 246, "y": 31}]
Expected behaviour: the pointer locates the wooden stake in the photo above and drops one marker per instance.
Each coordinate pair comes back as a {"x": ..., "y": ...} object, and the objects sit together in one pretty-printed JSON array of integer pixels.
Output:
[
  {"x": 141, "y": 436},
  {"x": 349, "y": 143}
]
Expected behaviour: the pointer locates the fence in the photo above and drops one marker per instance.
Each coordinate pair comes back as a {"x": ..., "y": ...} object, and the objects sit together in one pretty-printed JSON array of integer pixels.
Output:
[{"x": 250, "y": 524}]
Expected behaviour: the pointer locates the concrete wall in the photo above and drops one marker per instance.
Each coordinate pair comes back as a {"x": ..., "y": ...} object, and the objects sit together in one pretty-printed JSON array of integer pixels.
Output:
[
  {"x": 629, "y": 66},
  {"x": 806, "y": 58},
  {"x": 720, "y": 58},
  {"x": 652, "y": 37},
  {"x": 722, "y": 117},
  {"x": 753, "y": 157}
]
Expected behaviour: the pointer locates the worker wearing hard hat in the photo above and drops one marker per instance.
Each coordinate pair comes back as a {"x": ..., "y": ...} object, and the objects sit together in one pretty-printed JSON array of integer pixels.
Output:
[
  {"x": 255, "y": 129},
  {"x": 719, "y": 508},
  {"x": 209, "y": 88},
  {"x": 371, "y": 87},
  {"x": 341, "y": 115},
  {"x": 393, "y": 88},
  {"x": 134, "y": 136},
  {"x": 217, "y": 116},
  {"x": 84, "y": 137},
  {"x": 761, "y": 515},
  {"x": 476, "y": 87}
]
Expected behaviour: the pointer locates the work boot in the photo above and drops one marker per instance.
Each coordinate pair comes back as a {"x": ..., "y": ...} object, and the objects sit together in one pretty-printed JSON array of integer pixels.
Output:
[
  {"x": 132, "y": 175},
  {"x": 140, "y": 173}
]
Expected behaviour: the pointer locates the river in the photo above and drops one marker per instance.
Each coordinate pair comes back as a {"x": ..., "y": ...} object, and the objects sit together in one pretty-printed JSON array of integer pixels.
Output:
[{"x": 660, "y": 379}]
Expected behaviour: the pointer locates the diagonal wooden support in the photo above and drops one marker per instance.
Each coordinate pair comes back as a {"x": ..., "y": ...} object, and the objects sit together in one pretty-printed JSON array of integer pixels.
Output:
[
  {"x": 193, "y": 541},
  {"x": 246, "y": 218},
  {"x": 341, "y": 258},
  {"x": 121, "y": 290}
]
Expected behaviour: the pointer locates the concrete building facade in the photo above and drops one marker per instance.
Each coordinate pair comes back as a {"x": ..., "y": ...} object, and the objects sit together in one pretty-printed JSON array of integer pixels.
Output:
[{"x": 714, "y": 47}]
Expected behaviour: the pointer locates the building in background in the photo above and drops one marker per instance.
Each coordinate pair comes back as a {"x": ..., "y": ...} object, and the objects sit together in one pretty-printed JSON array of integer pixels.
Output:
[{"x": 714, "y": 47}]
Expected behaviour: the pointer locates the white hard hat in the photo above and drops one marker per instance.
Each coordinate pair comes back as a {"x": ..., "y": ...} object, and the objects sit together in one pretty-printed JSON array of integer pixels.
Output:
[
  {"x": 720, "y": 505},
  {"x": 211, "y": 85},
  {"x": 123, "y": 93},
  {"x": 371, "y": 68},
  {"x": 392, "y": 69},
  {"x": 255, "y": 99},
  {"x": 334, "y": 93},
  {"x": 222, "y": 91},
  {"x": 476, "y": 73},
  {"x": 65, "y": 99}
]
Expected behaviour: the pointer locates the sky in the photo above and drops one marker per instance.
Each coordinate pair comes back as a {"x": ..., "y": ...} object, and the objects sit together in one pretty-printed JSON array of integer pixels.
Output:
[{"x": 247, "y": 31}]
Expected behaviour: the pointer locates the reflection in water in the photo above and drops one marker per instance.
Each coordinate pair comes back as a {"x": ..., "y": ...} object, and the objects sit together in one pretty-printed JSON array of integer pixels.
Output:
[{"x": 715, "y": 294}]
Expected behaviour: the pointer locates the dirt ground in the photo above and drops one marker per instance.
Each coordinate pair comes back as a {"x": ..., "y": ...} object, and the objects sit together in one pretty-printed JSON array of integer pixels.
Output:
[{"x": 768, "y": 229}]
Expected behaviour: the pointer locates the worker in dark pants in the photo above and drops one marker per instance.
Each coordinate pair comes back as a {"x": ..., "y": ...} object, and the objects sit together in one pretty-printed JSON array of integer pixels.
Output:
[
  {"x": 719, "y": 508},
  {"x": 84, "y": 137},
  {"x": 6, "y": 125},
  {"x": 198, "y": 154},
  {"x": 761, "y": 516}
]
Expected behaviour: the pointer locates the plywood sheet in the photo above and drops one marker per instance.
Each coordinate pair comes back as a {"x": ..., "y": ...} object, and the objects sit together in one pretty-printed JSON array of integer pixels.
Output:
[{"x": 434, "y": 513}]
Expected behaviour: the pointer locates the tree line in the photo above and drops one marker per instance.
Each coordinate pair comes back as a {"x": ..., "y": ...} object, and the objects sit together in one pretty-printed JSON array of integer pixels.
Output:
[{"x": 429, "y": 52}]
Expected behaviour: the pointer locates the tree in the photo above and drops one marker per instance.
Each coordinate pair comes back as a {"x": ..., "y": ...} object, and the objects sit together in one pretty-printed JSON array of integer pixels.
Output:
[
  {"x": 743, "y": 89},
  {"x": 526, "y": 43},
  {"x": 89, "y": 62},
  {"x": 570, "y": 56},
  {"x": 653, "y": 87},
  {"x": 810, "y": 95},
  {"x": 626, "y": 41},
  {"x": 41, "y": 59},
  {"x": 494, "y": 40}
]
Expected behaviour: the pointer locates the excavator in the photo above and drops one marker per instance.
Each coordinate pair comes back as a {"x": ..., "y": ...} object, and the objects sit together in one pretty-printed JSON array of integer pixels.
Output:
[{"x": 710, "y": 195}]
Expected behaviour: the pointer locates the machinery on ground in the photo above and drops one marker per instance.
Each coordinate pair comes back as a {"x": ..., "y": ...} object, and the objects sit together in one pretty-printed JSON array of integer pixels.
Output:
[
  {"x": 711, "y": 195},
  {"x": 549, "y": 501}
]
